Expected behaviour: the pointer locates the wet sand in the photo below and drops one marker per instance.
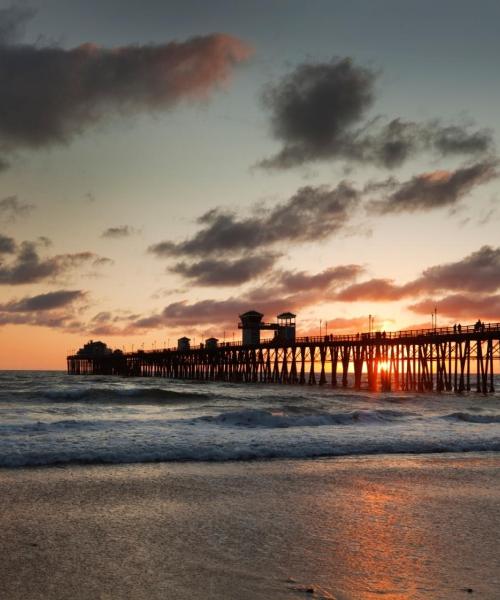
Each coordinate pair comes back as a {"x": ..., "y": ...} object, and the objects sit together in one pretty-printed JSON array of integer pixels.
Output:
[{"x": 360, "y": 528}]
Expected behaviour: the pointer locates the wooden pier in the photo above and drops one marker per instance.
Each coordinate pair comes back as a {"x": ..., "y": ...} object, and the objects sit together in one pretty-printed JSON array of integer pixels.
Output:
[{"x": 444, "y": 359}]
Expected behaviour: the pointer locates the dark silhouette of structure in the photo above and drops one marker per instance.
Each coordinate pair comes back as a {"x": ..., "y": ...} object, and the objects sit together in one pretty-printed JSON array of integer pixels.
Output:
[
  {"x": 94, "y": 349},
  {"x": 251, "y": 324},
  {"x": 441, "y": 359}
]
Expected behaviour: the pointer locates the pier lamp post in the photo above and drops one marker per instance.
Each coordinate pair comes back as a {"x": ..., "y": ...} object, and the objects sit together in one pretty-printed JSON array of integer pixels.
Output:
[{"x": 434, "y": 318}]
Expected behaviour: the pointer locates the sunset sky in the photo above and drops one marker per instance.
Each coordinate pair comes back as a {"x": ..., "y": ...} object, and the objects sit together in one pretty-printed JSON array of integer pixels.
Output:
[{"x": 167, "y": 165}]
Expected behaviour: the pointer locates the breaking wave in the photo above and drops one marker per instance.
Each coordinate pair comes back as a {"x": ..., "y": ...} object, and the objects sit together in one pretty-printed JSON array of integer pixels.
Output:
[
  {"x": 473, "y": 418},
  {"x": 120, "y": 395},
  {"x": 280, "y": 419}
]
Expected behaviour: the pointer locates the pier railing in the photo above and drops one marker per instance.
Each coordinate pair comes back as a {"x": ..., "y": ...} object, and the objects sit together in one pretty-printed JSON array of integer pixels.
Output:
[{"x": 376, "y": 336}]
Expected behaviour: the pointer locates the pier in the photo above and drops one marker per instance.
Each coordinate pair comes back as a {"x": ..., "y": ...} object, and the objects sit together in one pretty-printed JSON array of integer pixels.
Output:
[{"x": 458, "y": 359}]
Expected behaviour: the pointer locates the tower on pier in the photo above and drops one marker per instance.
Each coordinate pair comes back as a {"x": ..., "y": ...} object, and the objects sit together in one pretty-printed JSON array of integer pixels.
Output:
[
  {"x": 183, "y": 343},
  {"x": 251, "y": 324},
  {"x": 286, "y": 327}
]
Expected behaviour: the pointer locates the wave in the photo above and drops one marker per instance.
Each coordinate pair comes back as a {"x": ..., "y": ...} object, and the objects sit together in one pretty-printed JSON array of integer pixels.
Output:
[
  {"x": 473, "y": 418},
  {"x": 135, "y": 395},
  {"x": 270, "y": 419},
  {"x": 239, "y": 452}
]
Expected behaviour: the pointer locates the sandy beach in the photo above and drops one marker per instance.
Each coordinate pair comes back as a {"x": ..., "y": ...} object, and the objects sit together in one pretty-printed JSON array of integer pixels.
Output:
[{"x": 359, "y": 528}]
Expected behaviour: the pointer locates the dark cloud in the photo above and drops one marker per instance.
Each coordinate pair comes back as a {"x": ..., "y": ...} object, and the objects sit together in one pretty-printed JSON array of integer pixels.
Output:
[
  {"x": 102, "y": 317},
  {"x": 477, "y": 272},
  {"x": 281, "y": 291},
  {"x": 11, "y": 209},
  {"x": 99, "y": 261},
  {"x": 52, "y": 309},
  {"x": 7, "y": 245},
  {"x": 378, "y": 290},
  {"x": 224, "y": 312},
  {"x": 390, "y": 145},
  {"x": 12, "y": 23},
  {"x": 27, "y": 266},
  {"x": 462, "y": 306},
  {"x": 300, "y": 281},
  {"x": 430, "y": 190},
  {"x": 455, "y": 139},
  {"x": 211, "y": 272},
  {"x": 314, "y": 108},
  {"x": 52, "y": 319},
  {"x": 313, "y": 213},
  {"x": 122, "y": 231},
  {"x": 43, "y": 302},
  {"x": 319, "y": 112},
  {"x": 49, "y": 94}
]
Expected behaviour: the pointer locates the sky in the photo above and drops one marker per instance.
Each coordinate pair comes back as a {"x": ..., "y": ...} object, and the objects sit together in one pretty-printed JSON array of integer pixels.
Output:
[{"x": 168, "y": 165}]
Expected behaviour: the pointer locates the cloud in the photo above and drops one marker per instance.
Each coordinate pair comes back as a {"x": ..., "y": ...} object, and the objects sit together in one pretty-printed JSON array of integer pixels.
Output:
[
  {"x": 319, "y": 111},
  {"x": 11, "y": 209},
  {"x": 314, "y": 108},
  {"x": 98, "y": 261},
  {"x": 463, "y": 306},
  {"x": 27, "y": 266},
  {"x": 479, "y": 271},
  {"x": 210, "y": 272},
  {"x": 280, "y": 292},
  {"x": 43, "y": 302},
  {"x": 49, "y": 94},
  {"x": 430, "y": 190},
  {"x": 7, "y": 245},
  {"x": 12, "y": 23},
  {"x": 378, "y": 290},
  {"x": 52, "y": 309},
  {"x": 54, "y": 320},
  {"x": 300, "y": 281},
  {"x": 122, "y": 231},
  {"x": 312, "y": 213}
]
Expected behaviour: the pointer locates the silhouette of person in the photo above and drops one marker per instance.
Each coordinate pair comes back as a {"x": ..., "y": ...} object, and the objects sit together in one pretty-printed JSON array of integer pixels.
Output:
[
  {"x": 455, "y": 328},
  {"x": 459, "y": 328}
]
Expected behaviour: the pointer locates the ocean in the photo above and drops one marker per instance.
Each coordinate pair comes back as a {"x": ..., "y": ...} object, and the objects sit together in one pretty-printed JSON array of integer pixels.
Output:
[{"x": 51, "y": 418}]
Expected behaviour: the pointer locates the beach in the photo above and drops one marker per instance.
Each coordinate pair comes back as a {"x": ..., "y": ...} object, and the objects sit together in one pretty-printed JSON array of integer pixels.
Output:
[{"x": 351, "y": 528}]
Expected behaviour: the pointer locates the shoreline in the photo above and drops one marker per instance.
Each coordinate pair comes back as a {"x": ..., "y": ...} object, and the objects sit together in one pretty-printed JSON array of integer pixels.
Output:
[
  {"x": 353, "y": 528},
  {"x": 253, "y": 460}
]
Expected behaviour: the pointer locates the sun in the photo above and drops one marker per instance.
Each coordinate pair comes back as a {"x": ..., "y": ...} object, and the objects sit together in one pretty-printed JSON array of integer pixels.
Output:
[{"x": 383, "y": 365}]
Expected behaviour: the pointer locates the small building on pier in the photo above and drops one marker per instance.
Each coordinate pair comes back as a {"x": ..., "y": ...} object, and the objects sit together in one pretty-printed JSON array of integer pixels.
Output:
[
  {"x": 211, "y": 343},
  {"x": 183, "y": 343},
  {"x": 251, "y": 324},
  {"x": 286, "y": 327},
  {"x": 94, "y": 349}
]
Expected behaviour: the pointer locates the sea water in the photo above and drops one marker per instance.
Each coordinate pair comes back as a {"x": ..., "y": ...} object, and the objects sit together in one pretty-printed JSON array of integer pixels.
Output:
[{"x": 53, "y": 418}]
